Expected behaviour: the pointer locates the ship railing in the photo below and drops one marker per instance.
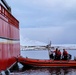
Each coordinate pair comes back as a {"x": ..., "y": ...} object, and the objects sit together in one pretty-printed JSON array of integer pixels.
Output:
[{"x": 11, "y": 19}]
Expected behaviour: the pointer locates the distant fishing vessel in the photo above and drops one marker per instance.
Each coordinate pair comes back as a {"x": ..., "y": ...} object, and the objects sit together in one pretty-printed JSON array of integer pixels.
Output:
[{"x": 9, "y": 38}]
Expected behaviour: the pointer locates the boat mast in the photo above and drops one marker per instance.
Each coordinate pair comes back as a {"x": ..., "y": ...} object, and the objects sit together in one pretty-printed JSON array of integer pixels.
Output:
[
  {"x": 49, "y": 45},
  {"x": 49, "y": 48}
]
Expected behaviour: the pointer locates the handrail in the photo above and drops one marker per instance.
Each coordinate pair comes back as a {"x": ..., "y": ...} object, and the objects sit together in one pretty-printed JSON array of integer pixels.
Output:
[
  {"x": 11, "y": 19},
  {"x": 6, "y": 5}
]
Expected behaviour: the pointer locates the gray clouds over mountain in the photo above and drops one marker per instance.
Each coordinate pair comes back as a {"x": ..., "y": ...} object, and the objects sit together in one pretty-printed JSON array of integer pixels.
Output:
[{"x": 46, "y": 20}]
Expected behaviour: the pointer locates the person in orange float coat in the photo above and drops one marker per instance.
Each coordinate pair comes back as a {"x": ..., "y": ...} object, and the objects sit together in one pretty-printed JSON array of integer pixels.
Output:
[
  {"x": 56, "y": 54},
  {"x": 59, "y": 54},
  {"x": 65, "y": 54}
]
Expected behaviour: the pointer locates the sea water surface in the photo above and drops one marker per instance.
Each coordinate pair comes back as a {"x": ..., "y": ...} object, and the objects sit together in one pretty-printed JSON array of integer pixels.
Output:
[{"x": 43, "y": 54}]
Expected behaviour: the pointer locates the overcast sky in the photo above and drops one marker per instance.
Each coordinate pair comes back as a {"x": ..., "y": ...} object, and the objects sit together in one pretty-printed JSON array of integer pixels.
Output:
[{"x": 45, "y": 20}]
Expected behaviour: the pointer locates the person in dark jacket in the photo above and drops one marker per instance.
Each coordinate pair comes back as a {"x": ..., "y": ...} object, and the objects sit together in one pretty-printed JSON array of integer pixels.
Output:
[{"x": 51, "y": 55}]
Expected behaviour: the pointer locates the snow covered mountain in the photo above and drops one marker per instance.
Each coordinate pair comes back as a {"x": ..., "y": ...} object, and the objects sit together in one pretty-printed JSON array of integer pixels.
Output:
[
  {"x": 65, "y": 46},
  {"x": 28, "y": 42}
]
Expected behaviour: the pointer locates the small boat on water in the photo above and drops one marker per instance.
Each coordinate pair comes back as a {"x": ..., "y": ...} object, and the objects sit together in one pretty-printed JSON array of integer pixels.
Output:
[
  {"x": 57, "y": 60},
  {"x": 29, "y": 62}
]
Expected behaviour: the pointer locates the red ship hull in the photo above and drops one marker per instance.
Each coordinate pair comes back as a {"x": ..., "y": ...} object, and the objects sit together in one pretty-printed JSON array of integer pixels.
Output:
[
  {"x": 28, "y": 62},
  {"x": 9, "y": 39}
]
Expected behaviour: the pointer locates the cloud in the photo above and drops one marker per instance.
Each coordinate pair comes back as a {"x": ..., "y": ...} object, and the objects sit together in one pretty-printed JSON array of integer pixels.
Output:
[
  {"x": 42, "y": 34},
  {"x": 29, "y": 42},
  {"x": 59, "y": 34},
  {"x": 45, "y": 20},
  {"x": 42, "y": 13}
]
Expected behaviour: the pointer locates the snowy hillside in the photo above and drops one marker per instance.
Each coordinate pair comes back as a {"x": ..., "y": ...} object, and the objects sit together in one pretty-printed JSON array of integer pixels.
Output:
[
  {"x": 28, "y": 42},
  {"x": 66, "y": 46}
]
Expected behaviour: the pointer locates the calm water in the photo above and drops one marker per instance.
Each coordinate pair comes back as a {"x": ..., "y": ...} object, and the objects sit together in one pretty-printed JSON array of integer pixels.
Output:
[{"x": 43, "y": 54}]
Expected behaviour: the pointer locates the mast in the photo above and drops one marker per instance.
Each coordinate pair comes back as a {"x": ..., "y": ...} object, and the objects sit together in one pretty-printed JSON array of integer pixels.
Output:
[{"x": 49, "y": 48}]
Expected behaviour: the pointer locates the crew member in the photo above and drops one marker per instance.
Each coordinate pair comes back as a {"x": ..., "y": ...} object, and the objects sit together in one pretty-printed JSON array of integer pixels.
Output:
[
  {"x": 51, "y": 55},
  {"x": 65, "y": 54},
  {"x": 59, "y": 54},
  {"x": 56, "y": 54}
]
